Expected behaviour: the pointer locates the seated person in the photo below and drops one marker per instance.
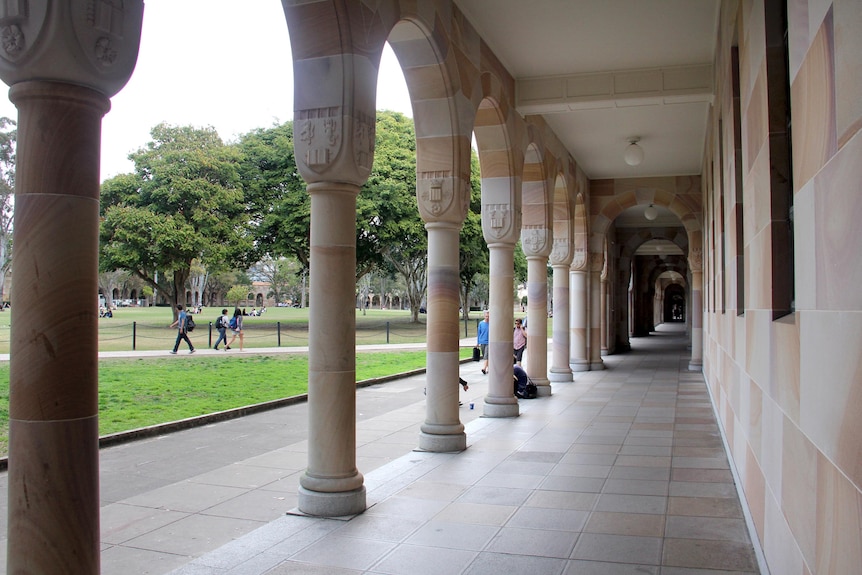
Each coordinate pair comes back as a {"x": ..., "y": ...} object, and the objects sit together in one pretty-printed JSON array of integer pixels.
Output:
[{"x": 520, "y": 380}]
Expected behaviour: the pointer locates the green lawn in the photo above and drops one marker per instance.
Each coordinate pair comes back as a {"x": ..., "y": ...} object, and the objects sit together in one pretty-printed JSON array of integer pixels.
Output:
[
  {"x": 137, "y": 393},
  {"x": 147, "y": 328}
]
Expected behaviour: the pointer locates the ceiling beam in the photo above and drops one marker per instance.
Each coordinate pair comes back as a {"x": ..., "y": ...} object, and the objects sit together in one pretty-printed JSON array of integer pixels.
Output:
[{"x": 649, "y": 86}]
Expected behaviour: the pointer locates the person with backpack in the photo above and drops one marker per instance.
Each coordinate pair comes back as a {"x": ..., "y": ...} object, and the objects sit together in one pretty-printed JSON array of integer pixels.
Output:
[
  {"x": 236, "y": 328},
  {"x": 221, "y": 325},
  {"x": 182, "y": 325}
]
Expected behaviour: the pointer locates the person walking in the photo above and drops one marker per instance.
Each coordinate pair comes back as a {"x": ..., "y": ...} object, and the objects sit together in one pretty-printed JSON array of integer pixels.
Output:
[
  {"x": 482, "y": 334},
  {"x": 182, "y": 330},
  {"x": 236, "y": 328},
  {"x": 221, "y": 325},
  {"x": 519, "y": 341}
]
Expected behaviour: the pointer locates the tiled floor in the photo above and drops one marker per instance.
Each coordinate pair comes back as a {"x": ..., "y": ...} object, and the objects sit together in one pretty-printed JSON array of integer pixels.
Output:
[{"x": 622, "y": 471}]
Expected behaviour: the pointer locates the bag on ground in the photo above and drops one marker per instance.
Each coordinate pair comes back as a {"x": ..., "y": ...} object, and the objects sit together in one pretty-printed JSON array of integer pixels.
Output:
[{"x": 531, "y": 391}]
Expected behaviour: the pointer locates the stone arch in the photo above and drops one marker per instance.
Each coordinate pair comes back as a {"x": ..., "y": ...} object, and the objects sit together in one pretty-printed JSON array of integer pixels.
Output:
[
  {"x": 680, "y": 195},
  {"x": 644, "y": 235},
  {"x": 442, "y": 116}
]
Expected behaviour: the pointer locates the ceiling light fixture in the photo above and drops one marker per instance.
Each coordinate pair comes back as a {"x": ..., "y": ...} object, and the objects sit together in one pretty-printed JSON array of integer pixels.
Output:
[
  {"x": 650, "y": 213},
  {"x": 634, "y": 154}
]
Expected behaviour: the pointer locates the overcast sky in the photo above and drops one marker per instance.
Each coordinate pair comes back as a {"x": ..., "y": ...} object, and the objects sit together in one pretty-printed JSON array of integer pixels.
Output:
[{"x": 217, "y": 63}]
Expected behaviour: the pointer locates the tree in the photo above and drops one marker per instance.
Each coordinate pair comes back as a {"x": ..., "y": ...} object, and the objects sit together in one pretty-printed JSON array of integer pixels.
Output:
[
  {"x": 184, "y": 202},
  {"x": 474, "y": 251},
  {"x": 237, "y": 294},
  {"x": 279, "y": 273},
  {"x": 279, "y": 204},
  {"x": 388, "y": 204},
  {"x": 8, "y": 141}
]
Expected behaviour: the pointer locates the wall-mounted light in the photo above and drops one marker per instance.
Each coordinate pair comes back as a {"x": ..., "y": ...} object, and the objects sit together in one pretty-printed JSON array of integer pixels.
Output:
[
  {"x": 634, "y": 154},
  {"x": 650, "y": 213}
]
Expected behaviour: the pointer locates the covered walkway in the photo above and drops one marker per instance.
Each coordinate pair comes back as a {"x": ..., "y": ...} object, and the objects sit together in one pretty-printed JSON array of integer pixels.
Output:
[{"x": 620, "y": 471}]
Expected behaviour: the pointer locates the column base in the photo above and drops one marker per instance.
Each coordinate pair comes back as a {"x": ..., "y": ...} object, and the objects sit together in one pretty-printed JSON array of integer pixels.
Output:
[
  {"x": 597, "y": 365},
  {"x": 556, "y": 376},
  {"x": 579, "y": 365},
  {"x": 501, "y": 410},
  {"x": 695, "y": 366},
  {"x": 442, "y": 443},
  {"x": 339, "y": 504}
]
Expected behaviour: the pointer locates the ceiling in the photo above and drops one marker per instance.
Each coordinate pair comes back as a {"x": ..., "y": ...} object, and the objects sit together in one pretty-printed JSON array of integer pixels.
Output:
[{"x": 603, "y": 71}]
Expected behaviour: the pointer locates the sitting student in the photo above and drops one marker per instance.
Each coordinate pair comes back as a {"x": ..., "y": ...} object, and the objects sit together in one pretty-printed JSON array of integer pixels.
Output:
[{"x": 520, "y": 380}]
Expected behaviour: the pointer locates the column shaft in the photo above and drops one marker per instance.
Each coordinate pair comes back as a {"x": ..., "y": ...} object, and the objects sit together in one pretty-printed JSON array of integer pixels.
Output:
[
  {"x": 53, "y": 405},
  {"x": 596, "y": 362},
  {"x": 537, "y": 323},
  {"x": 442, "y": 430},
  {"x": 696, "y": 363},
  {"x": 578, "y": 329},
  {"x": 560, "y": 370},
  {"x": 331, "y": 485},
  {"x": 501, "y": 401}
]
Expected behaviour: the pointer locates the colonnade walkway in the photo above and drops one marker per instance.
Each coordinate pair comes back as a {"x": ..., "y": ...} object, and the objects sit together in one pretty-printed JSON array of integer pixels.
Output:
[{"x": 622, "y": 471}]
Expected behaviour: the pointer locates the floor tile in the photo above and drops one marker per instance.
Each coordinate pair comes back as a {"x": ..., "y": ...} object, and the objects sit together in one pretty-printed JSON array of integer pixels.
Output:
[
  {"x": 716, "y": 528},
  {"x": 541, "y": 542},
  {"x": 417, "y": 560},
  {"x": 642, "y": 524},
  {"x": 700, "y": 553},
  {"x": 551, "y": 519},
  {"x": 618, "y": 548},
  {"x": 453, "y": 535},
  {"x": 497, "y": 563},
  {"x": 704, "y": 507}
]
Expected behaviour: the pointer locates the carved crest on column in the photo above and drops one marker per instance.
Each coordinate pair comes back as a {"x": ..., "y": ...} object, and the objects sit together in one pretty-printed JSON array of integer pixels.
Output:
[
  {"x": 319, "y": 131},
  {"x": 695, "y": 259},
  {"x": 534, "y": 240},
  {"x": 363, "y": 141},
  {"x": 579, "y": 261},
  {"x": 18, "y": 28},
  {"x": 499, "y": 219},
  {"x": 597, "y": 262},
  {"x": 435, "y": 192},
  {"x": 560, "y": 251},
  {"x": 101, "y": 37}
]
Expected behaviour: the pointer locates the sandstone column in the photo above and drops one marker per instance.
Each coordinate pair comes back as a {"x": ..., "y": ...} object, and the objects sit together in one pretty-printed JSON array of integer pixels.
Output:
[
  {"x": 63, "y": 65},
  {"x": 536, "y": 243},
  {"x": 560, "y": 259},
  {"x": 501, "y": 401},
  {"x": 695, "y": 262},
  {"x": 597, "y": 261},
  {"x": 579, "y": 325},
  {"x": 443, "y": 201},
  {"x": 334, "y": 125}
]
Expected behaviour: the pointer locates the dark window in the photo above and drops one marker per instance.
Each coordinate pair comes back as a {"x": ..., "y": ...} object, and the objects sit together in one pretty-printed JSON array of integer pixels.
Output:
[{"x": 780, "y": 158}]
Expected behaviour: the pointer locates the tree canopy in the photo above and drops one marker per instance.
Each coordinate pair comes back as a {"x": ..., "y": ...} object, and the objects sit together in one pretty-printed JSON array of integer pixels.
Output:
[{"x": 183, "y": 203}]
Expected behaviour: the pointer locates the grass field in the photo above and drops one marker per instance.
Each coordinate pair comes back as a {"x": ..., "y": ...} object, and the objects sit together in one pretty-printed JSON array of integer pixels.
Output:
[
  {"x": 147, "y": 328},
  {"x": 136, "y": 393}
]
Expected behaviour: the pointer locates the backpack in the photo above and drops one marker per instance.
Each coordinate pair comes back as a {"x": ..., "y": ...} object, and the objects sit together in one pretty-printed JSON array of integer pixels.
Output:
[
  {"x": 219, "y": 323},
  {"x": 190, "y": 323},
  {"x": 531, "y": 391},
  {"x": 233, "y": 322}
]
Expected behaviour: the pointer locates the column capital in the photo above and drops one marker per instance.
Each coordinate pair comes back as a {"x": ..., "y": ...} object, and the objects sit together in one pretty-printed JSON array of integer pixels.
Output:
[
  {"x": 442, "y": 196},
  {"x": 561, "y": 252},
  {"x": 334, "y": 144},
  {"x": 695, "y": 259},
  {"x": 501, "y": 223},
  {"x": 81, "y": 42},
  {"x": 536, "y": 241},
  {"x": 579, "y": 260}
]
